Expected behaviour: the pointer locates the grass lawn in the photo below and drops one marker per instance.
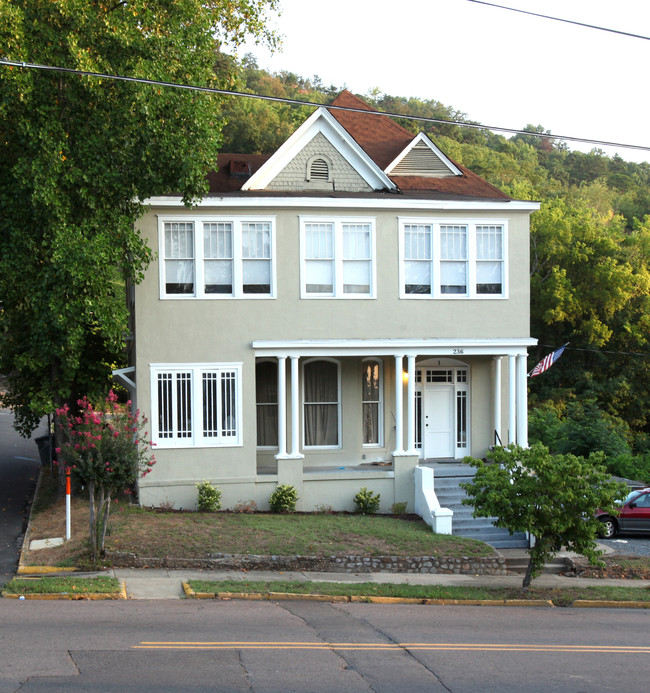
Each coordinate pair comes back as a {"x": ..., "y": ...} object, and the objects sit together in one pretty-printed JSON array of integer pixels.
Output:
[
  {"x": 559, "y": 597},
  {"x": 156, "y": 534},
  {"x": 65, "y": 585}
]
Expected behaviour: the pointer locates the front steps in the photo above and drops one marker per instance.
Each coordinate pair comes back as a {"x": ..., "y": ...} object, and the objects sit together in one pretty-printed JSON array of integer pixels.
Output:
[{"x": 446, "y": 484}]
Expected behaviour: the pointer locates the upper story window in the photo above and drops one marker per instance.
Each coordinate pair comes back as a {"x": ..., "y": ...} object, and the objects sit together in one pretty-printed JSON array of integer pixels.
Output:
[
  {"x": 338, "y": 258},
  {"x": 448, "y": 260},
  {"x": 212, "y": 257},
  {"x": 196, "y": 405}
]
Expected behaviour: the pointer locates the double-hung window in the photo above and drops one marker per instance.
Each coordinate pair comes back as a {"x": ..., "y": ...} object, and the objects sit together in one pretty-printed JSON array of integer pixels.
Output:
[
  {"x": 452, "y": 259},
  {"x": 208, "y": 257},
  {"x": 196, "y": 405},
  {"x": 338, "y": 258}
]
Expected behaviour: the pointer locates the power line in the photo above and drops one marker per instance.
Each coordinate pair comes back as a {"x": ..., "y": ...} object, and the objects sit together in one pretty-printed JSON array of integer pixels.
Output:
[
  {"x": 599, "y": 351},
  {"x": 296, "y": 102},
  {"x": 559, "y": 19}
]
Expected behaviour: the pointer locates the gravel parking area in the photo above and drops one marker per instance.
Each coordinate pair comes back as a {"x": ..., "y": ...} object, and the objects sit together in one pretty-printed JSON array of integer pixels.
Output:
[{"x": 628, "y": 545}]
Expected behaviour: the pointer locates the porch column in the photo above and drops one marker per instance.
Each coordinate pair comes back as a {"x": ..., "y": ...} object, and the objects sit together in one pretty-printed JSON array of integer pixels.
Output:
[
  {"x": 410, "y": 408},
  {"x": 522, "y": 401},
  {"x": 295, "y": 409},
  {"x": 282, "y": 406},
  {"x": 498, "y": 440},
  {"x": 512, "y": 399},
  {"x": 399, "y": 409}
]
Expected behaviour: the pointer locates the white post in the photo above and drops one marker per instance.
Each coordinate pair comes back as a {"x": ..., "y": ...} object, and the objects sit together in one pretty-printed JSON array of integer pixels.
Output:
[
  {"x": 295, "y": 409},
  {"x": 522, "y": 401},
  {"x": 282, "y": 406},
  {"x": 512, "y": 399},
  {"x": 410, "y": 407},
  {"x": 497, "y": 400},
  {"x": 68, "y": 531},
  {"x": 399, "y": 407}
]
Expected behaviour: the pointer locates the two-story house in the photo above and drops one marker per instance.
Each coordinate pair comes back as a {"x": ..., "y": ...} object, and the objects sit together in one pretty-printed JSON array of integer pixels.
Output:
[{"x": 330, "y": 316}]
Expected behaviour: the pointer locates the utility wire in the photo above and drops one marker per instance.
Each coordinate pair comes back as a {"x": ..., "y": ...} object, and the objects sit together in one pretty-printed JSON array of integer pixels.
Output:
[
  {"x": 296, "y": 102},
  {"x": 559, "y": 19},
  {"x": 599, "y": 351}
]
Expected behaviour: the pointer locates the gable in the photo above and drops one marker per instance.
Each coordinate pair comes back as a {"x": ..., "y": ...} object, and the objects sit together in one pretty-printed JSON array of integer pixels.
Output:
[
  {"x": 319, "y": 165},
  {"x": 281, "y": 168},
  {"x": 422, "y": 158}
]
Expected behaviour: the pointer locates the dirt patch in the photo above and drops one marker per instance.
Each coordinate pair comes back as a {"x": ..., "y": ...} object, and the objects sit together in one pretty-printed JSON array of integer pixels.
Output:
[{"x": 618, "y": 567}]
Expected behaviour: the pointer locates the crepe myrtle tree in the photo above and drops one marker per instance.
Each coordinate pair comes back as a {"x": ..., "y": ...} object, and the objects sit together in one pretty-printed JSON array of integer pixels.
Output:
[
  {"x": 106, "y": 451},
  {"x": 553, "y": 497}
]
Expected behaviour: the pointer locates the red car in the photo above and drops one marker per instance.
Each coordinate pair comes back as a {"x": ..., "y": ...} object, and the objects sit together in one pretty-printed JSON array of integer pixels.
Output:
[{"x": 633, "y": 517}]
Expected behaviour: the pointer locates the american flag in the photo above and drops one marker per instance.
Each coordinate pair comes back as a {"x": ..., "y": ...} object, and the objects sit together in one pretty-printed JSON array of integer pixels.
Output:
[{"x": 547, "y": 362}]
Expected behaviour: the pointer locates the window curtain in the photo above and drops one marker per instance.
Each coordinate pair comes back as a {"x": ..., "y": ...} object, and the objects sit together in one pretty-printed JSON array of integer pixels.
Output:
[{"x": 321, "y": 403}]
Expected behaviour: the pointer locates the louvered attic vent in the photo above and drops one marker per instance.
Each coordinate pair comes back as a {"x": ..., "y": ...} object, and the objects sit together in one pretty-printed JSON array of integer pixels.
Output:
[
  {"x": 421, "y": 161},
  {"x": 319, "y": 170}
]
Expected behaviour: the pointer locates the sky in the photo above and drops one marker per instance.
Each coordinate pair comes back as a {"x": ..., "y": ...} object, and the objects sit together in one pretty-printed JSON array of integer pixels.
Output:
[{"x": 498, "y": 67}]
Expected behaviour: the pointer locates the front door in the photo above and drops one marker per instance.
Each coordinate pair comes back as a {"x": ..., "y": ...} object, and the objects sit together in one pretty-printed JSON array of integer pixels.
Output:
[{"x": 438, "y": 421}]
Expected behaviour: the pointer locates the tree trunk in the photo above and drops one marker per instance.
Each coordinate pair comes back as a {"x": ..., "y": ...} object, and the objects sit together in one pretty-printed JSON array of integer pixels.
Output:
[
  {"x": 528, "y": 577},
  {"x": 91, "y": 514}
]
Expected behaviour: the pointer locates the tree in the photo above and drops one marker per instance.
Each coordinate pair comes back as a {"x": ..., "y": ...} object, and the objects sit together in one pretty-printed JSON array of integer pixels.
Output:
[
  {"x": 79, "y": 154},
  {"x": 106, "y": 452},
  {"x": 552, "y": 497}
]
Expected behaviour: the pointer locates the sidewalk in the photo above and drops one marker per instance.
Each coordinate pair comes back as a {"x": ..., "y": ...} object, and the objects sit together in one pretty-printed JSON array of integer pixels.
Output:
[{"x": 161, "y": 583}]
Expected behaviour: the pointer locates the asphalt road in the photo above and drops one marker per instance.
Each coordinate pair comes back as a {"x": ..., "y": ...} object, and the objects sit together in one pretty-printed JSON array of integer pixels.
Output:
[
  {"x": 266, "y": 647},
  {"x": 19, "y": 465}
]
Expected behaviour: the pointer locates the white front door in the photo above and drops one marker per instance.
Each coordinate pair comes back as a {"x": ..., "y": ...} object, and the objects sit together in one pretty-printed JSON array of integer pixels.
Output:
[{"x": 438, "y": 421}]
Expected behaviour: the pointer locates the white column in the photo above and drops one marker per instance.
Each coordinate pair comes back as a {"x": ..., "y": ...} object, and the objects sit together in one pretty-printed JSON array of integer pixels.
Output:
[
  {"x": 295, "y": 409},
  {"x": 399, "y": 409},
  {"x": 522, "y": 401},
  {"x": 512, "y": 399},
  {"x": 410, "y": 408},
  {"x": 282, "y": 406},
  {"x": 497, "y": 400}
]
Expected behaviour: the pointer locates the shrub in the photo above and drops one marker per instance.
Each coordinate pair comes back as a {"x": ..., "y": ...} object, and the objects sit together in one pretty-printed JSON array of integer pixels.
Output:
[
  {"x": 588, "y": 429},
  {"x": 283, "y": 499},
  {"x": 209, "y": 497},
  {"x": 399, "y": 508},
  {"x": 634, "y": 467},
  {"x": 367, "y": 502}
]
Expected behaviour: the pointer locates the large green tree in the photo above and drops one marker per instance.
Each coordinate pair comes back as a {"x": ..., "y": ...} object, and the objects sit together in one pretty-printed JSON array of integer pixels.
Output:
[{"x": 78, "y": 154}]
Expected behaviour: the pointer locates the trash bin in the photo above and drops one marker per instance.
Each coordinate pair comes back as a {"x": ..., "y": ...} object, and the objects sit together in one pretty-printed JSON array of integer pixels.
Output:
[{"x": 45, "y": 446}]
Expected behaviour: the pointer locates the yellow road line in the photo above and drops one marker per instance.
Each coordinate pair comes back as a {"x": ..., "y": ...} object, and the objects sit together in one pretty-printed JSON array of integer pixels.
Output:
[{"x": 484, "y": 647}]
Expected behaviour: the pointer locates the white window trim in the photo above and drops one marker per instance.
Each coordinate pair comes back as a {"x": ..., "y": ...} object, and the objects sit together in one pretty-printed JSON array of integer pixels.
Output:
[
  {"x": 380, "y": 422},
  {"x": 199, "y": 220},
  {"x": 339, "y": 407},
  {"x": 197, "y": 440},
  {"x": 471, "y": 225},
  {"x": 338, "y": 256}
]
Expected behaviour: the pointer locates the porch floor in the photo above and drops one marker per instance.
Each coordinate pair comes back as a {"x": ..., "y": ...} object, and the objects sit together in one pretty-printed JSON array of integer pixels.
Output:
[{"x": 441, "y": 466}]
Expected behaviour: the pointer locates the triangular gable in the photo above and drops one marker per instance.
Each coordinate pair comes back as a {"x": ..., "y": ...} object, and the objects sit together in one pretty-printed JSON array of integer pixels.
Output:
[
  {"x": 321, "y": 121},
  {"x": 422, "y": 158}
]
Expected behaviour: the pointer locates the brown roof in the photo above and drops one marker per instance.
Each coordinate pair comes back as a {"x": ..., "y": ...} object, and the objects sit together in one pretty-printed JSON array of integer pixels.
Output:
[{"x": 383, "y": 140}]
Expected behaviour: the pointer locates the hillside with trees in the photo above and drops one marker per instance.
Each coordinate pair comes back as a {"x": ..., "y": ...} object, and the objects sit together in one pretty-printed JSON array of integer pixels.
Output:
[{"x": 590, "y": 250}]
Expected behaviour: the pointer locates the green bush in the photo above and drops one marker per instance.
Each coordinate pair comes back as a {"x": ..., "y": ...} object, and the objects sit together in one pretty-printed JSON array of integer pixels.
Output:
[
  {"x": 588, "y": 429},
  {"x": 399, "y": 508},
  {"x": 367, "y": 502},
  {"x": 633, "y": 467},
  {"x": 209, "y": 497},
  {"x": 283, "y": 499}
]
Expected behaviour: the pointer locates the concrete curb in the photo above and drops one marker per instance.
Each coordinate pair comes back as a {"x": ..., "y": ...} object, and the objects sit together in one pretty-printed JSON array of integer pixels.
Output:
[
  {"x": 93, "y": 596},
  {"x": 361, "y": 599},
  {"x": 43, "y": 570}
]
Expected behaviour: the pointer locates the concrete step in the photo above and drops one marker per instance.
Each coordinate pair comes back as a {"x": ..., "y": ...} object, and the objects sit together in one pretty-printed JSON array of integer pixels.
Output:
[{"x": 557, "y": 566}]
